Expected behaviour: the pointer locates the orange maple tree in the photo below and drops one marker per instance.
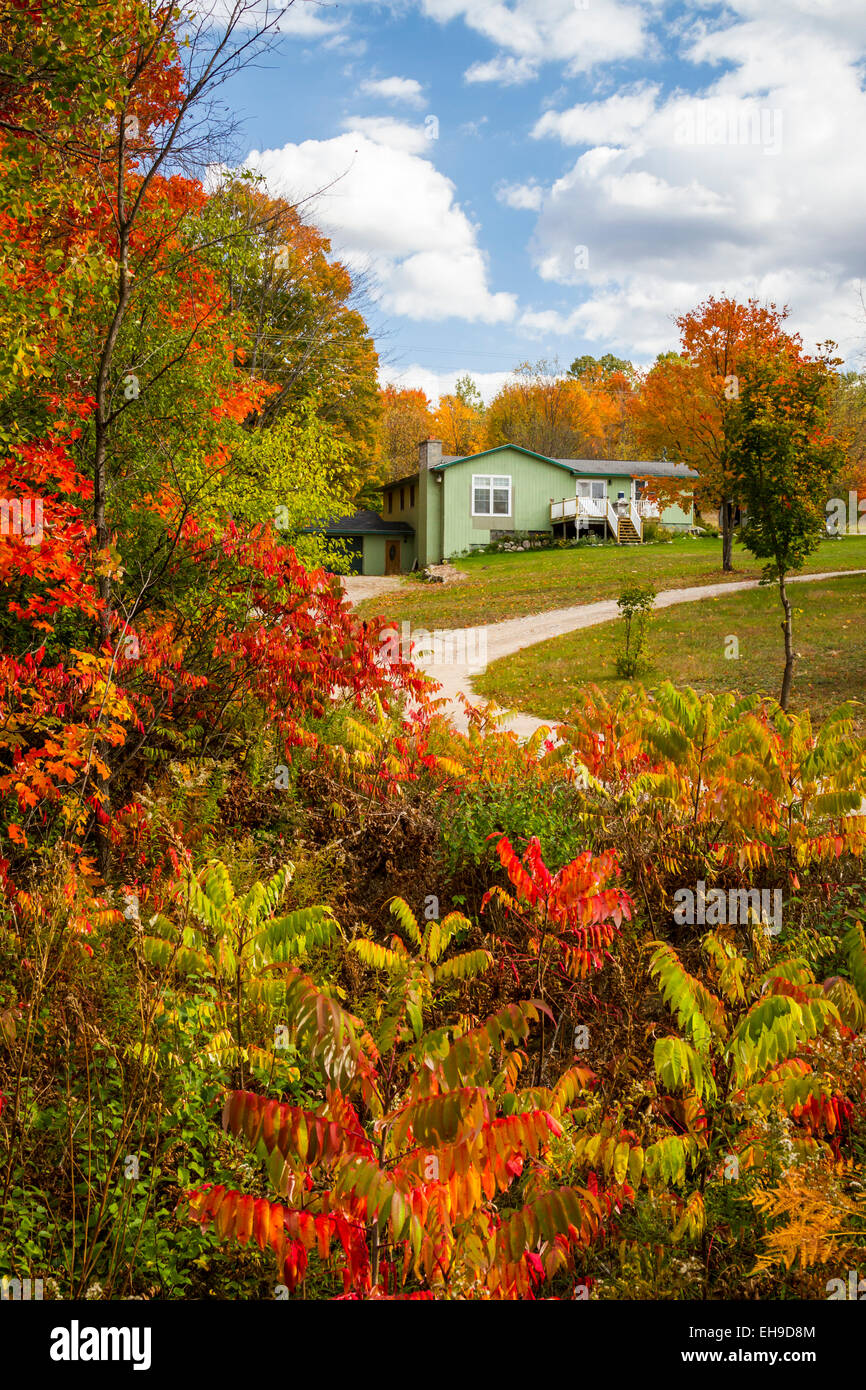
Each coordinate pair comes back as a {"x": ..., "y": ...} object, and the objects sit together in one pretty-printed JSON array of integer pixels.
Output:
[{"x": 680, "y": 408}]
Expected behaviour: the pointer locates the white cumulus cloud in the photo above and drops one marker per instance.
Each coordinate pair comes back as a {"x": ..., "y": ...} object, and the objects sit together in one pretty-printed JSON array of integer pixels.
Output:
[
  {"x": 533, "y": 32},
  {"x": 750, "y": 185},
  {"x": 523, "y": 197},
  {"x": 405, "y": 89},
  {"x": 614, "y": 121},
  {"x": 388, "y": 210},
  {"x": 435, "y": 383},
  {"x": 385, "y": 130},
  {"x": 506, "y": 71}
]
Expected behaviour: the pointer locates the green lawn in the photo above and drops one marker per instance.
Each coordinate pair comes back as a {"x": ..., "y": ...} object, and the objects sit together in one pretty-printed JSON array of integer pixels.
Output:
[
  {"x": 687, "y": 643},
  {"x": 514, "y": 585}
]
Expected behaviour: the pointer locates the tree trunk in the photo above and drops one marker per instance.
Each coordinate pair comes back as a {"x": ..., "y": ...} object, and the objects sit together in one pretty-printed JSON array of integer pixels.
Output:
[
  {"x": 788, "y": 630},
  {"x": 726, "y": 517},
  {"x": 102, "y": 418}
]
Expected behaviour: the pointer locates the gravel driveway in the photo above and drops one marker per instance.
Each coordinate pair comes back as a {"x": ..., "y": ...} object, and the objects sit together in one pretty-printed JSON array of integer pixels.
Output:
[
  {"x": 360, "y": 586},
  {"x": 517, "y": 633}
]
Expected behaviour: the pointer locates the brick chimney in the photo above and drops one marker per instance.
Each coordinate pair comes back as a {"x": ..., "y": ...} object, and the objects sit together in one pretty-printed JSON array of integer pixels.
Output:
[{"x": 429, "y": 453}]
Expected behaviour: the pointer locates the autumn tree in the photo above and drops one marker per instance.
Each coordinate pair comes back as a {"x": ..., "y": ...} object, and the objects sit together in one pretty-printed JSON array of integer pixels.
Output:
[
  {"x": 682, "y": 407},
  {"x": 610, "y": 384},
  {"x": 849, "y": 423},
  {"x": 459, "y": 420},
  {"x": 293, "y": 475},
  {"x": 784, "y": 457},
  {"x": 124, "y": 406},
  {"x": 295, "y": 316},
  {"x": 591, "y": 368},
  {"x": 542, "y": 409},
  {"x": 406, "y": 419},
  {"x": 150, "y": 130}
]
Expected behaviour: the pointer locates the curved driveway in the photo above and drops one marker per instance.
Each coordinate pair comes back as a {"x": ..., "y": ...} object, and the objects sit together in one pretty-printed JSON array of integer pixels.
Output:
[{"x": 517, "y": 633}]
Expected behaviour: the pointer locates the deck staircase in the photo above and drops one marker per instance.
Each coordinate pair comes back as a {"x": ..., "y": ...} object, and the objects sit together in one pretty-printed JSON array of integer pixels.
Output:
[{"x": 624, "y": 525}]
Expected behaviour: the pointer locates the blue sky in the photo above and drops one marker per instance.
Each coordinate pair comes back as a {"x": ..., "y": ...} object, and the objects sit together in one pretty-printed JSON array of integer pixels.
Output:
[{"x": 598, "y": 167}]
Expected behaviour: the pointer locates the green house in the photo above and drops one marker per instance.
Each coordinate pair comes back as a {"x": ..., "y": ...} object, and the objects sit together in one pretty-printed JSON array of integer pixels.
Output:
[{"x": 453, "y": 505}]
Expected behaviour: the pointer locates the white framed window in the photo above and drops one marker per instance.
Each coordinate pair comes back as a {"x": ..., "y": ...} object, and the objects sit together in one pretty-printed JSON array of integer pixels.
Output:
[
  {"x": 595, "y": 488},
  {"x": 491, "y": 495}
]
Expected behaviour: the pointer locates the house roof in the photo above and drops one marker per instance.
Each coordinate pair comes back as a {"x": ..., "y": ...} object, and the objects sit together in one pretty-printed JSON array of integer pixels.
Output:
[
  {"x": 363, "y": 523},
  {"x": 396, "y": 482},
  {"x": 631, "y": 468},
  {"x": 449, "y": 460},
  {"x": 593, "y": 468}
]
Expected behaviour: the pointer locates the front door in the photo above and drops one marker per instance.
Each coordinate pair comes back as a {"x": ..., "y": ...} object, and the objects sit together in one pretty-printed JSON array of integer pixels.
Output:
[{"x": 392, "y": 557}]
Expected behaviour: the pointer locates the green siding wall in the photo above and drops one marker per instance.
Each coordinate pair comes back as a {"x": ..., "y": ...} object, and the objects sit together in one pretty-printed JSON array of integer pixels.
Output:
[
  {"x": 406, "y": 513},
  {"x": 374, "y": 553},
  {"x": 677, "y": 519},
  {"x": 533, "y": 483},
  {"x": 431, "y": 488}
]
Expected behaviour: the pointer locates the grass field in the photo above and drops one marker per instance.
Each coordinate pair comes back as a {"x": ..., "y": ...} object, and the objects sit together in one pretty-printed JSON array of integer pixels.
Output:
[
  {"x": 515, "y": 585},
  {"x": 687, "y": 644}
]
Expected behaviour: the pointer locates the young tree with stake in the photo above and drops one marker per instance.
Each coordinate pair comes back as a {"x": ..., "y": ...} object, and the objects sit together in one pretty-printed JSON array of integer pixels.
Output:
[{"x": 784, "y": 456}]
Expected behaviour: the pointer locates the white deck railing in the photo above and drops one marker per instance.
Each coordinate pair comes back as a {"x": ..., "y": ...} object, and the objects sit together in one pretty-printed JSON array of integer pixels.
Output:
[
  {"x": 564, "y": 510},
  {"x": 593, "y": 508},
  {"x": 600, "y": 509}
]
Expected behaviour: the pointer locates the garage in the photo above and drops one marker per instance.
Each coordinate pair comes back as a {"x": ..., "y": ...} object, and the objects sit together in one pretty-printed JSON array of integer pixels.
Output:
[{"x": 376, "y": 546}]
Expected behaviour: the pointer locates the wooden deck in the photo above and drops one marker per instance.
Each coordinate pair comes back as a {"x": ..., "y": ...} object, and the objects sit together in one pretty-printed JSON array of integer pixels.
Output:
[{"x": 624, "y": 521}]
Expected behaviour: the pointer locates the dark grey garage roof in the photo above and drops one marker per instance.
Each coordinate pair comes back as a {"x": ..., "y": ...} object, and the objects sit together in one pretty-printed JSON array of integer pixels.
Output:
[
  {"x": 396, "y": 482},
  {"x": 363, "y": 523}
]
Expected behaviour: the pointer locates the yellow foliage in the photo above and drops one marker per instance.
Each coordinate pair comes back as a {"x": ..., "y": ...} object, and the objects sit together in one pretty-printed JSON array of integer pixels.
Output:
[{"x": 815, "y": 1217}]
